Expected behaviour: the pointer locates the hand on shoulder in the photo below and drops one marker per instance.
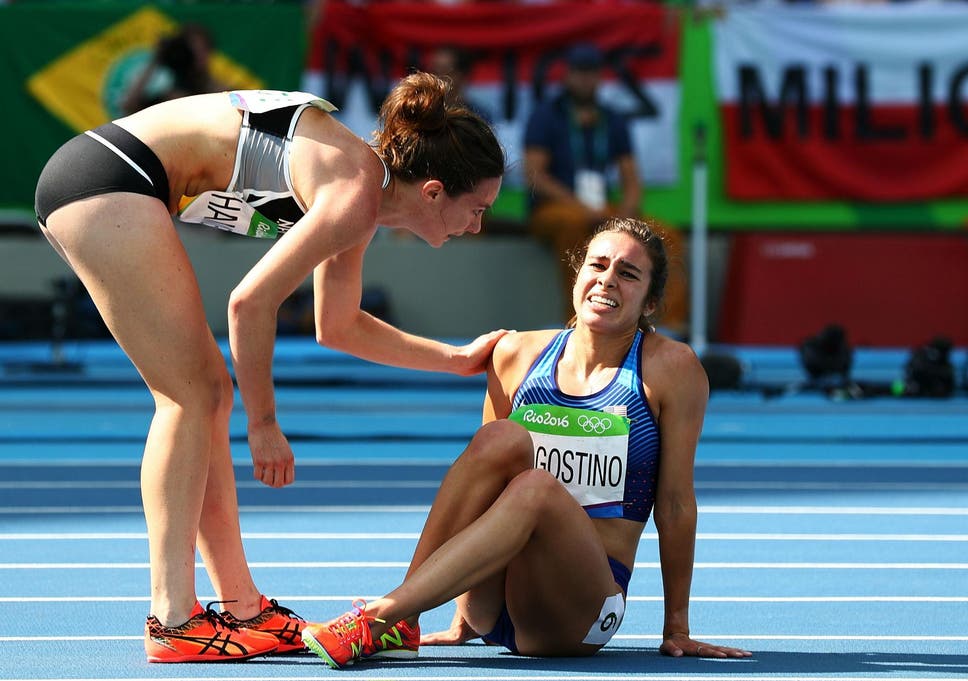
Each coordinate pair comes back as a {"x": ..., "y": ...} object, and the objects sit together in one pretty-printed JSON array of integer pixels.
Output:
[
  {"x": 512, "y": 357},
  {"x": 519, "y": 347}
]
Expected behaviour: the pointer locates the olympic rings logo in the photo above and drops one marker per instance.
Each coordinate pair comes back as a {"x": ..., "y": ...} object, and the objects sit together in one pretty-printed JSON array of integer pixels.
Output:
[{"x": 594, "y": 424}]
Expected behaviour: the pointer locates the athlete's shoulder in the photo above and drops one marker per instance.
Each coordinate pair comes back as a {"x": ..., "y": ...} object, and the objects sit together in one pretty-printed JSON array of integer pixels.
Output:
[
  {"x": 527, "y": 343},
  {"x": 513, "y": 355},
  {"x": 671, "y": 367},
  {"x": 666, "y": 355},
  {"x": 516, "y": 351}
]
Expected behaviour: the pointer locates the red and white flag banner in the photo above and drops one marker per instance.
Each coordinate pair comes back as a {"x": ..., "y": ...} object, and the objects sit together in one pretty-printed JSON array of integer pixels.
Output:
[
  {"x": 866, "y": 103},
  {"x": 358, "y": 52}
]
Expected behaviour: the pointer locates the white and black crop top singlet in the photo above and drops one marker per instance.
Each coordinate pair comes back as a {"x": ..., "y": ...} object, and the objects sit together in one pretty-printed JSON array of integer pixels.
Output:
[
  {"x": 260, "y": 200},
  {"x": 540, "y": 386}
]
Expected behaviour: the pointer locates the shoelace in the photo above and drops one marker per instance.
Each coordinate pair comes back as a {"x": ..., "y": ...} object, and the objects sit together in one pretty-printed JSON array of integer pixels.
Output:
[
  {"x": 344, "y": 627},
  {"x": 283, "y": 609},
  {"x": 215, "y": 617}
]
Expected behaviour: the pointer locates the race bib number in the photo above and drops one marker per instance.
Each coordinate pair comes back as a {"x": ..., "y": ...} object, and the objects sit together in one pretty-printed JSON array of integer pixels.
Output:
[
  {"x": 585, "y": 450},
  {"x": 228, "y": 212}
]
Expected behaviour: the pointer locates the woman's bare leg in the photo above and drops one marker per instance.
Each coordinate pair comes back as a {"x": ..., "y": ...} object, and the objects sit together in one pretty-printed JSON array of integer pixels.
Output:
[
  {"x": 496, "y": 454},
  {"x": 128, "y": 255},
  {"x": 556, "y": 572},
  {"x": 220, "y": 534},
  {"x": 497, "y": 530}
]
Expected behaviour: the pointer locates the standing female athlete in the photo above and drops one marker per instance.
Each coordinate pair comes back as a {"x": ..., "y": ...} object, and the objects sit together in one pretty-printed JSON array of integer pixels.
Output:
[
  {"x": 535, "y": 534},
  {"x": 267, "y": 164}
]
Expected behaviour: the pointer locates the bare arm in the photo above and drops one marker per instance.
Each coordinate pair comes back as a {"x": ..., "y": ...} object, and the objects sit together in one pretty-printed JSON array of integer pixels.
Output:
[
  {"x": 341, "y": 324},
  {"x": 342, "y": 215},
  {"x": 545, "y": 186},
  {"x": 684, "y": 393},
  {"x": 683, "y": 403}
]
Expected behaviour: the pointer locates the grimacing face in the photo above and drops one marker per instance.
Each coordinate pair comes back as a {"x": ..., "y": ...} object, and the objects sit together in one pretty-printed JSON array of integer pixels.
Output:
[{"x": 613, "y": 282}]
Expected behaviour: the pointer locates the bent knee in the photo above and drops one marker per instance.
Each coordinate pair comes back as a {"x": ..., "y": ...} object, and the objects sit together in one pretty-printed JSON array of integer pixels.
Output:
[
  {"x": 208, "y": 394},
  {"x": 502, "y": 443},
  {"x": 535, "y": 489}
]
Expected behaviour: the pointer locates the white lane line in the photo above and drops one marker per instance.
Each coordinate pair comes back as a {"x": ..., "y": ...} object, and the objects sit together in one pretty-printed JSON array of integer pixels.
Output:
[
  {"x": 717, "y": 510},
  {"x": 242, "y": 484},
  {"x": 796, "y": 637},
  {"x": 834, "y": 510},
  {"x": 98, "y": 510},
  {"x": 115, "y": 536},
  {"x": 564, "y": 676},
  {"x": 641, "y": 599},
  {"x": 624, "y": 637},
  {"x": 372, "y": 536},
  {"x": 833, "y": 486},
  {"x": 434, "y": 484},
  {"x": 404, "y": 564}
]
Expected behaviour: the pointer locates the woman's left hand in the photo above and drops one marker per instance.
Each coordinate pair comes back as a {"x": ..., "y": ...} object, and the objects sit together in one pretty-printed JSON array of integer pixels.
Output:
[
  {"x": 680, "y": 645},
  {"x": 473, "y": 357},
  {"x": 273, "y": 462}
]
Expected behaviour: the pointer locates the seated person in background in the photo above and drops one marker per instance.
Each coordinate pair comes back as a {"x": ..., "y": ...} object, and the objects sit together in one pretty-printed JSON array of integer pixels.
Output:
[
  {"x": 179, "y": 66},
  {"x": 538, "y": 560},
  {"x": 573, "y": 144}
]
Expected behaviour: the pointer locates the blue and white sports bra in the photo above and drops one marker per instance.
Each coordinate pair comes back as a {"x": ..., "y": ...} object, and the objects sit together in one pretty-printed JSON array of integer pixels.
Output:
[{"x": 540, "y": 386}]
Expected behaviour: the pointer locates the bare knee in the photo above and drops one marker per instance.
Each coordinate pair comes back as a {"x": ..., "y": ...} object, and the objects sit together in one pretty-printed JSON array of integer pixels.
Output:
[
  {"x": 226, "y": 395},
  {"x": 206, "y": 394},
  {"x": 532, "y": 492},
  {"x": 501, "y": 445}
]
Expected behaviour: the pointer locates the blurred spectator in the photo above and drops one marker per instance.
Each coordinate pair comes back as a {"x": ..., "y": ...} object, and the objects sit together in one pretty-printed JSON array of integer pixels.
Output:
[
  {"x": 179, "y": 66},
  {"x": 578, "y": 161},
  {"x": 454, "y": 64}
]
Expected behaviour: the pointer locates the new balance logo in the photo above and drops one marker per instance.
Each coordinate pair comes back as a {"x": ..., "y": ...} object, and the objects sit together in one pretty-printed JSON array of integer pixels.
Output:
[{"x": 393, "y": 636}]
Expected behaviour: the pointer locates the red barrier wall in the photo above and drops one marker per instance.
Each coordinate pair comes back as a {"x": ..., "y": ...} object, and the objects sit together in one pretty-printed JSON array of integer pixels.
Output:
[{"x": 885, "y": 289}]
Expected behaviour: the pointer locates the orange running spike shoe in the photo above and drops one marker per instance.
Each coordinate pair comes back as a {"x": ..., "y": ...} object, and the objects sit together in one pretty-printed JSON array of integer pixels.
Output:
[
  {"x": 277, "y": 620},
  {"x": 342, "y": 641},
  {"x": 205, "y": 637},
  {"x": 400, "y": 641}
]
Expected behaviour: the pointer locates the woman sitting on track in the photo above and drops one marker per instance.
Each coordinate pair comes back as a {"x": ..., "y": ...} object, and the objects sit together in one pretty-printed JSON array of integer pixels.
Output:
[
  {"x": 535, "y": 534},
  {"x": 267, "y": 164}
]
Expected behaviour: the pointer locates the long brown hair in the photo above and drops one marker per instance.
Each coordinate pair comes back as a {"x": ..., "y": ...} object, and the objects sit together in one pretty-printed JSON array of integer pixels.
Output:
[{"x": 423, "y": 136}]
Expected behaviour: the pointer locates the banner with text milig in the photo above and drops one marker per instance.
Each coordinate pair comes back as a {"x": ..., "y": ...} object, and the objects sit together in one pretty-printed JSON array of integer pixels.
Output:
[{"x": 866, "y": 103}]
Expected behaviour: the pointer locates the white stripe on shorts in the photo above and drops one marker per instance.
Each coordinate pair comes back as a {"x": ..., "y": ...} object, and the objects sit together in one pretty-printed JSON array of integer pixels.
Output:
[{"x": 121, "y": 154}]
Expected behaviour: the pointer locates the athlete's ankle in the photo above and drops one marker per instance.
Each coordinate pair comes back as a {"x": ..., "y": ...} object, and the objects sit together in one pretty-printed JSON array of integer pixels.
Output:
[
  {"x": 170, "y": 614},
  {"x": 243, "y": 608}
]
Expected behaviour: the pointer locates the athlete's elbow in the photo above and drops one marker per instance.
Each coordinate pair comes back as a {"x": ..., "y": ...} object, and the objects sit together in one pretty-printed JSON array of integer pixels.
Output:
[
  {"x": 241, "y": 305},
  {"x": 335, "y": 325},
  {"x": 328, "y": 337},
  {"x": 675, "y": 513},
  {"x": 332, "y": 332}
]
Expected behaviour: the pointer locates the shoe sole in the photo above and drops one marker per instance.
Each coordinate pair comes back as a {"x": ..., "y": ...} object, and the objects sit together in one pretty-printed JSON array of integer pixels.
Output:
[
  {"x": 396, "y": 655},
  {"x": 209, "y": 658},
  {"x": 315, "y": 647},
  {"x": 293, "y": 649},
  {"x": 174, "y": 657}
]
